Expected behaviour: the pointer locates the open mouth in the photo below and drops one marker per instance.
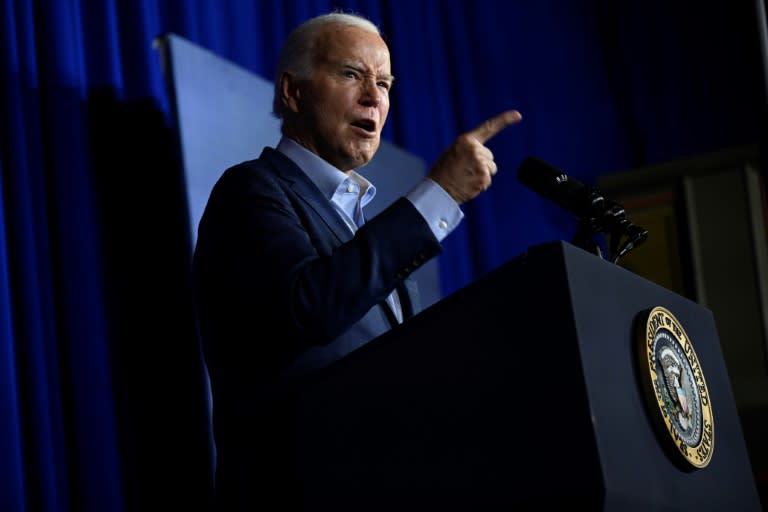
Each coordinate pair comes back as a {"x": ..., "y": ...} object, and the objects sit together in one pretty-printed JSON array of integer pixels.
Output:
[{"x": 365, "y": 124}]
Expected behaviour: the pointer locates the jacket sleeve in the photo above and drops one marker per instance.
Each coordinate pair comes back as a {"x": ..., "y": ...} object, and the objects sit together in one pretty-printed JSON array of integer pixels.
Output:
[{"x": 264, "y": 254}]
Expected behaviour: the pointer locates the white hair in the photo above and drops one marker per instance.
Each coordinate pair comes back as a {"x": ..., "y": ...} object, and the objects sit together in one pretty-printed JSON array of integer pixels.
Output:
[{"x": 298, "y": 53}]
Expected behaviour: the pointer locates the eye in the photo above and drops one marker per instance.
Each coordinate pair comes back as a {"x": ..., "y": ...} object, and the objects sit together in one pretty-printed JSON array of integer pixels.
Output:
[
  {"x": 348, "y": 73},
  {"x": 384, "y": 85}
]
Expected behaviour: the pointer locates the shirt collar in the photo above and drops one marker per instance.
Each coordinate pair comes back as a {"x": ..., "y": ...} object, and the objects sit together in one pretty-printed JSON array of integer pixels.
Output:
[{"x": 325, "y": 176}]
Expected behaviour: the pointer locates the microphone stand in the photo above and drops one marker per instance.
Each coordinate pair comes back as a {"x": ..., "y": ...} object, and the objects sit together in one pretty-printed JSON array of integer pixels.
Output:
[
  {"x": 585, "y": 237},
  {"x": 612, "y": 223}
]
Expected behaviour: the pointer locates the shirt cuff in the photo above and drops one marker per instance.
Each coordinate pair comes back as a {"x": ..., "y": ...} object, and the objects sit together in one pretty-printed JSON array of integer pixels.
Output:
[{"x": 437, "y": 207}]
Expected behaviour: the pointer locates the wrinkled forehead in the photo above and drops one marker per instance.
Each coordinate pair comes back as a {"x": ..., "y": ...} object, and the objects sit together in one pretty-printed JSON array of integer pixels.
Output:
[{"x": 352, "y": 45}]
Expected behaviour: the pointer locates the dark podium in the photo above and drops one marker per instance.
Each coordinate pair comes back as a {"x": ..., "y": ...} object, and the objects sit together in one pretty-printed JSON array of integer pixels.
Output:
[{"x": 521, "y": 391}]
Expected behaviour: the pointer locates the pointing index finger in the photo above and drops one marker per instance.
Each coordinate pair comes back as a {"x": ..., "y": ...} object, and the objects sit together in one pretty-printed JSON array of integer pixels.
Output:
[{"x": 494, "y": 125}]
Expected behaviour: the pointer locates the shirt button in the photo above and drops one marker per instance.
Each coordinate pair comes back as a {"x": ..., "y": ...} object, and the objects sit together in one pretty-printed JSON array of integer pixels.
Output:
[
  {"x": 442, "y": 224},
  {"x": 350, "y": 188}
]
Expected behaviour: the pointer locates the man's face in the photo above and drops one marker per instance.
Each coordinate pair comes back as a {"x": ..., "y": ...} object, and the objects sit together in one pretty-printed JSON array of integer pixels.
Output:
[{"x": 341, "y": 109}]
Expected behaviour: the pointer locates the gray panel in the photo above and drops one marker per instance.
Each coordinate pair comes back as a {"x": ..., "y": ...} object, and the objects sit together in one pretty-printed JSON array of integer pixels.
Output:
[{"x": 223, "y": 114}]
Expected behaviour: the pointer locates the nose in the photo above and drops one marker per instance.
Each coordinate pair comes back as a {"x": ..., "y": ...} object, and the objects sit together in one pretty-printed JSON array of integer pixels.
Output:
[{"x": 371, "y": 95}]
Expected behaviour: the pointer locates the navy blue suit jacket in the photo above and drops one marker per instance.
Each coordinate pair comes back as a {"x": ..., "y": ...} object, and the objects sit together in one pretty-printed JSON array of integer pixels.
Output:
[{"x": 283, "y": 287}]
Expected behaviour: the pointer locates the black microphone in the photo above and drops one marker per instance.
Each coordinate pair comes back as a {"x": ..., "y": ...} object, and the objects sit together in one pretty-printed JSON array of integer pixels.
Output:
[
  {"x": 551, "y": 183},
  {"x": 596, "y": 213}
]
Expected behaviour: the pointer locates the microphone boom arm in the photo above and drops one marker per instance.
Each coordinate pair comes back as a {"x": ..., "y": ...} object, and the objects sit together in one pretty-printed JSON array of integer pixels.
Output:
[{"x": 596, "y": 214}]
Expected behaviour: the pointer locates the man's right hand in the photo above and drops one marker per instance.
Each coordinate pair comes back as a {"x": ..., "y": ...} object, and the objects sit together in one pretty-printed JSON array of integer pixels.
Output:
[{"x": 466, "y": 167}]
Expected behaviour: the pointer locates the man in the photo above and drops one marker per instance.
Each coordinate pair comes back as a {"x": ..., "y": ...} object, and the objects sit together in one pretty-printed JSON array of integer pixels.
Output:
[{"x": 289, "y": 275}]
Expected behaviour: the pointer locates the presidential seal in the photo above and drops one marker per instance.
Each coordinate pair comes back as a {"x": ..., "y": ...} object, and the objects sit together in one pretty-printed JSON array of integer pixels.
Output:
[{"x": 675, "y": 387}]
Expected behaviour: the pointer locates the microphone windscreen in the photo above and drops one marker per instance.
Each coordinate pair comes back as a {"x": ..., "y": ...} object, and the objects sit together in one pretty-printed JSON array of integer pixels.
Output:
[
  {"x": 551, "y": 183},
  {"x": 543, "y": 178}
]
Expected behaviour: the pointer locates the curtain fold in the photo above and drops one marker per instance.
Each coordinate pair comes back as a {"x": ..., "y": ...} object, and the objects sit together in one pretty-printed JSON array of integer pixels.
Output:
[
  {"x": 62, "y": 374},
  {"x": 12, "y": 481},
  {"x": 32, "y": 324}
]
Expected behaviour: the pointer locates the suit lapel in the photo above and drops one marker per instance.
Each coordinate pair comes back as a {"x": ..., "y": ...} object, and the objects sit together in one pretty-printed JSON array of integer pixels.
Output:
[{"x": 309, "y": 193}]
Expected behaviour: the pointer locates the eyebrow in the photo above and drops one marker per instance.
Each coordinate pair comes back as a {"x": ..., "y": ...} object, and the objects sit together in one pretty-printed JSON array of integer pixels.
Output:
[{"x": 361, "y": 70}]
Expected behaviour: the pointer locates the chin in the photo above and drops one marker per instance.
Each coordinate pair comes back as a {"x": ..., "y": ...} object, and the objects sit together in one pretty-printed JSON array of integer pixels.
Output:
[
  {"x": 367, "y": 154},
  {"x": 365, "y": 159},
  {"x": 360, "y": 158}
]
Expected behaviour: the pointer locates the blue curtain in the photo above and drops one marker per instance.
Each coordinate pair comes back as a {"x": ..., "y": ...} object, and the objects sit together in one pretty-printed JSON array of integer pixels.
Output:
[{"x": 102, "y": 395}]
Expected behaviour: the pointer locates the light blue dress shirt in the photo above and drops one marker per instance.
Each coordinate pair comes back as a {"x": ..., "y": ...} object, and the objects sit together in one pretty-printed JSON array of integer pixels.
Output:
[{"x": 349, "y": 193}]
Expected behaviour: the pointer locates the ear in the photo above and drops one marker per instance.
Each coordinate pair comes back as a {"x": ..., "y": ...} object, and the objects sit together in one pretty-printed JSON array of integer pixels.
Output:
[{"x": 290, "y": 93}]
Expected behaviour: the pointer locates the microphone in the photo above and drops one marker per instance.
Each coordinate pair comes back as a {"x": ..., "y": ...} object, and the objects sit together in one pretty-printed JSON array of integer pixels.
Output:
[
  {"x": 596, "y": 213},
  {"x": 572, "y": 195}
]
